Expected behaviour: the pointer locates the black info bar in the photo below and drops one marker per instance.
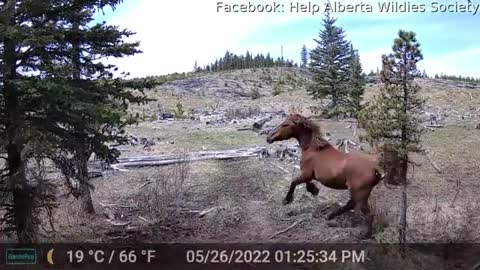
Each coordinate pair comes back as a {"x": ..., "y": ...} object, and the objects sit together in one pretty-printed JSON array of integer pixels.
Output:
[{"x": 240, "y": 256}]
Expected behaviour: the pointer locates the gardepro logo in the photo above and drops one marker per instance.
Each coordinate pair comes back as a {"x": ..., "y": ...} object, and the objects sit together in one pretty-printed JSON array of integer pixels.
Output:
[{"x": 21, "y": 256}]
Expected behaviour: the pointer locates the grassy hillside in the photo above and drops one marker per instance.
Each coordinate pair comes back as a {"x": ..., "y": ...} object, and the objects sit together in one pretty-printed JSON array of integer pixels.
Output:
[{"x": 284, "y": 88}]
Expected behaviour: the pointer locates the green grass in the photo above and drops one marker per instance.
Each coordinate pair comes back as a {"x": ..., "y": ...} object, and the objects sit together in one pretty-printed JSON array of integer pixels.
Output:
[{"x": 219, "y": 140}]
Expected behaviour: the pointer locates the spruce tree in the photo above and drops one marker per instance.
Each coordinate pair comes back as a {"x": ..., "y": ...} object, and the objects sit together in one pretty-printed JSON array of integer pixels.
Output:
[
  {"x": 304, "y": 56},
  {"x": 392, "y": 118},
  {"x": 329, "y": 63},
  {"x": 23, "y": 34},
  {"x": 86, "y": 106},
  {"x": 356, "y": 83}
]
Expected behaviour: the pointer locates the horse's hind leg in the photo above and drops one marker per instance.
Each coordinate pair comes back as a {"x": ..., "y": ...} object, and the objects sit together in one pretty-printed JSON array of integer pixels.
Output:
[
  {"x": 347, "y": 207},
  {"x": 299, "y": 180},
  {"x": 362, "y": 212}
]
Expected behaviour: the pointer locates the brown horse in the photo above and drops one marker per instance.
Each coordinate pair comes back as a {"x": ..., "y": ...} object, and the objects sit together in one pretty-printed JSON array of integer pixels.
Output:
[{"x": 320, "y": 161}]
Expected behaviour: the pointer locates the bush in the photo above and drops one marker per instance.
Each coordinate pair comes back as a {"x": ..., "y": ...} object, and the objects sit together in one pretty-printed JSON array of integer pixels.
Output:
[
  {"x": 179, "y": 111},
  {"x": 154, "y": 117},
  {"x": 278, "y": 89}
]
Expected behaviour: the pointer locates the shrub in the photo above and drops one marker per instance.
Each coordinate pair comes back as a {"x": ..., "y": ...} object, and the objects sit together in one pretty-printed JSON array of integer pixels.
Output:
[
  {"x": 278, "y": 89},
  {"x": 179, "y": 111}
]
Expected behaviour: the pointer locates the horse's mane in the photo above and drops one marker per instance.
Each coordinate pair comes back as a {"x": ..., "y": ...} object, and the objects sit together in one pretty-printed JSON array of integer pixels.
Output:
[{"x": 318, "y": 142}]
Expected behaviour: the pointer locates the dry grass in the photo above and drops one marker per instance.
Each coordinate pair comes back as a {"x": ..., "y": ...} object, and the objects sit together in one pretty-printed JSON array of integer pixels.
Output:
[
  {"x": 439, "y": 222},
  {"x": 159, "y": 197}
]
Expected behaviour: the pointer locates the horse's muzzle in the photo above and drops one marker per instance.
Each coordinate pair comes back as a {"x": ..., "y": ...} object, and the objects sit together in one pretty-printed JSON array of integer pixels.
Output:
[{"x": 269, "y": 139}]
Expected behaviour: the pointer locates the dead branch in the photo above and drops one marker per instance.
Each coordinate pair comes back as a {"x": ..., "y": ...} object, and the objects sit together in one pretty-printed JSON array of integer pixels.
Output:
[
  {"x": 119, "y": 223},
  {"x": 145, "y": 184},
  {"x": 203, "y": 213},
  {"x": 432, "y": 163},
  {"x": 458, "y": 188},
  {"x": 287, "y": 229}
]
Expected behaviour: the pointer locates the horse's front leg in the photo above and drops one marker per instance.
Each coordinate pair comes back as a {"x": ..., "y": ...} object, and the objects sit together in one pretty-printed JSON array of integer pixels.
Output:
[{"x": 297, "y": 181}]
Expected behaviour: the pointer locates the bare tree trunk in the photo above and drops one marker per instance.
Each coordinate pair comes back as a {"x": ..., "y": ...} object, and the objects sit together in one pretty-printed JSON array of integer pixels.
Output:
[
  {"x": 403, "y": 216},
  {"x": 23, "y": 208},
  {"x": 84, "y": 185},
  {"x": 86, "y": 198},
  {"x": 403, "y": 204},
  {"x": 17, "y": 182}
]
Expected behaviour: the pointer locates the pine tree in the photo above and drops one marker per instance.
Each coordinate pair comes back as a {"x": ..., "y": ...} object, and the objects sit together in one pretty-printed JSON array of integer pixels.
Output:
[
  {"x": 356, "y": 83},
  {"x": 329, "y": 63},
  {"x": 304, "y": 56},
  {"x": 391, "y": 119}
]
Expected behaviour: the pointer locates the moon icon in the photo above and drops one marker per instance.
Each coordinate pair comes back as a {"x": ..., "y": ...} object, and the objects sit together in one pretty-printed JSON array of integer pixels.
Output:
[{"x": 50, "y": 256}]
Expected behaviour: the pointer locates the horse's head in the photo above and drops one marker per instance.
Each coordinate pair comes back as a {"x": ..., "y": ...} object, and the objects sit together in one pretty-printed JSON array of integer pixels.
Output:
[{"x": 287, "y": 129}]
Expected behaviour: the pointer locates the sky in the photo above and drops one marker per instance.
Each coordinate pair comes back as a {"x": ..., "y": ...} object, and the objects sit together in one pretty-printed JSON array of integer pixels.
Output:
[{"x": 173, "y": 34}]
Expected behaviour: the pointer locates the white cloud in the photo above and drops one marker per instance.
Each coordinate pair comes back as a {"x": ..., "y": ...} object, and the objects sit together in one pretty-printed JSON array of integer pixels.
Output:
[{"x": 173, "y": 34}]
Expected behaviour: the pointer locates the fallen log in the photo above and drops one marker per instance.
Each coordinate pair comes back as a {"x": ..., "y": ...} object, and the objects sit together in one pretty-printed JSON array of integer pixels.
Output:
[
  {"x": 159, "y": 160},
  {"x": 244, "y": 128}
]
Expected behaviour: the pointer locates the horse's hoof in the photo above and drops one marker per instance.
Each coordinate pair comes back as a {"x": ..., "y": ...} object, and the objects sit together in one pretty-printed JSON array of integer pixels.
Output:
[
  {"x": 287, "y": 201},
  {"x": 312, "y": 189}
]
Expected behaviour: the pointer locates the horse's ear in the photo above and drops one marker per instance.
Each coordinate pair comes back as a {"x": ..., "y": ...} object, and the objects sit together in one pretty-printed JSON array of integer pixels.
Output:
[{"x": 297, "y": 119}]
